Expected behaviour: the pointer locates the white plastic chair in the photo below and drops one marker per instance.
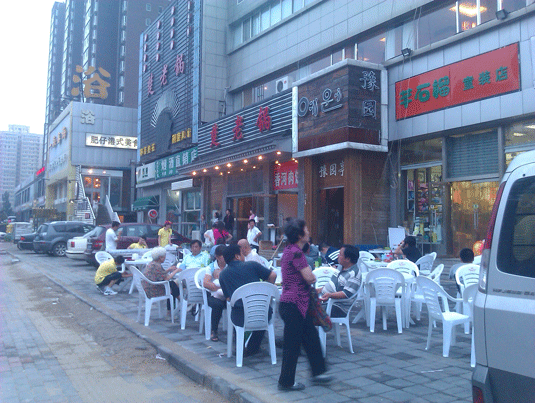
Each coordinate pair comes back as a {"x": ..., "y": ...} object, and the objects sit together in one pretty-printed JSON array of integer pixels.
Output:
[
  {"x": 189, "y": 294},
  {"x": 404, "y": 266},
  {"x": 418, "y": 297},
  {"x": 323, "y": 275},
  {"x": 257, "y": 298},
  {"x": 439, "y": 310},
  {"x": 337, "y": 323},
  {"x": 382, "y": 286},
  {"x": 410, "y": 271},
  {"x": 102, "y": 256},
  {"x": 425, "y": 263},
  {"x": 366, "y": 255},
  {"x": 465, "y": 276},
  {"x": 469, "y": 296},
  {"x": 137, "y": 278},
  {"x": 477, "y": 259},
  {"x": 206, "y": 309},
  {"x": 147, "y": 255}
]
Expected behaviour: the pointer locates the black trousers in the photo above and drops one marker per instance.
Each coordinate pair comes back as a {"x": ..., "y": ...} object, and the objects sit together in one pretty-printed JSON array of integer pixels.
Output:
[
  {"x": 110, "y": 277},
  {"x": 299, "y": 331},
  {"x": 175, "y": 292},
  {"x": 217, "y": 306}
]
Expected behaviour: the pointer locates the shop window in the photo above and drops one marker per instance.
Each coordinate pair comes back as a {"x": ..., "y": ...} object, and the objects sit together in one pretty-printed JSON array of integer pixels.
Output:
[
  {"x": 337, "y": 56},
  {"x": 421, "y": 151},
  {"x": 115, "y": 192},
  {"x": 373, "y": 49},
  {"x": 349, "y": 51},
  {"x": 436, "y": 26},
  {"x": 320, "y": 64}
]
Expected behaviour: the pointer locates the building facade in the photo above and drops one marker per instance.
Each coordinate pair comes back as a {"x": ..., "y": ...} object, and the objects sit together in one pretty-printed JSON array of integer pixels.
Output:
[{"x": 21, "y": 157}]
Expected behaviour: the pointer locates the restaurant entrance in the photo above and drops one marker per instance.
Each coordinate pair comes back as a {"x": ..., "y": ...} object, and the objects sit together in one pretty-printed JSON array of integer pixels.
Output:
[
  {"x": 241, "y": 207},
  {"x": 331, "y": 217}
]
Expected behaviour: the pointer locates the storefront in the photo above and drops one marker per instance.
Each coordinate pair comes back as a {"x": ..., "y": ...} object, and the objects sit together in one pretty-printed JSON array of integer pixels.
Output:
[
  {"x": 242, "y": 159},
  {"x": 457, "y": 127},
  {"x": 340, "y": 140}
]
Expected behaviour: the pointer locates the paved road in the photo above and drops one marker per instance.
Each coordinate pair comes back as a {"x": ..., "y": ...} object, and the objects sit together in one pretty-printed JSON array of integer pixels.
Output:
[
  {"x": 386, "y": 366},
  {"x": 56, "y": 348}
]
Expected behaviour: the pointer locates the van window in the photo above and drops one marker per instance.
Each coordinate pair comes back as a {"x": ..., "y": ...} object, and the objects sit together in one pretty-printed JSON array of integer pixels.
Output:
[
  {"x": 516, "y": 250},
  {"x": 42, "y": 228},
  {"x": 60, "y": 227}
]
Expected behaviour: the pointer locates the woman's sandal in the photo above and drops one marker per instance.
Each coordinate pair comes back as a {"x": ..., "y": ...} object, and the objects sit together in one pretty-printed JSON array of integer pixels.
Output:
[{"x": 214, "y": 337}]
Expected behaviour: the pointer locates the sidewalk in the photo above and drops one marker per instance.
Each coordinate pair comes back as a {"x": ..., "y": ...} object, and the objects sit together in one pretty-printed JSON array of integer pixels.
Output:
[{"x": 386, "y": 366}]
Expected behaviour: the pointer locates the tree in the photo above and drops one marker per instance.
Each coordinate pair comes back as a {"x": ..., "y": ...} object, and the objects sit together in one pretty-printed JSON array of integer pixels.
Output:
[{"x": 6, "y": 205}]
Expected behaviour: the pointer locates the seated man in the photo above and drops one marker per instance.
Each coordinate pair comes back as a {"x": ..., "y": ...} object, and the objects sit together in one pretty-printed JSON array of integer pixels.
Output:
[
  {"x": 312, "y": 253},
  {"x": 107, "y": 275},
  {"x": 197, "y": 258},
  {"x": 329, "y": 254},
  {"x": 408, "y": 249},
  {"x": 343, "y": 287},
  {"x": 140, "y": 244},
  {"x": 236, "y": 274},
  {"x": 249, "y": 254}
]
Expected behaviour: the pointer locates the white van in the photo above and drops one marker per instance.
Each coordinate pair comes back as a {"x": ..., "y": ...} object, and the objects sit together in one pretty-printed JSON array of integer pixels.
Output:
[
  {"x": 19, "y": 228},
  {"x": 504, "y": 307}
]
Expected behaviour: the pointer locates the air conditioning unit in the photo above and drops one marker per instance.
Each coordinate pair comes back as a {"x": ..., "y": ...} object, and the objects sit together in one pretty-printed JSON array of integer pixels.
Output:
[{"x": 282, "y": 84}]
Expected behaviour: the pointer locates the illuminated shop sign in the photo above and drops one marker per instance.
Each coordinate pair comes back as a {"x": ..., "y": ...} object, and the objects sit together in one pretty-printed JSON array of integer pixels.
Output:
[
  {"x": 285, "y": 176},
  {"x": 479, "y": 77},
  {"x": 110, "y": 141},
  {"x": 168, "y": 166}
]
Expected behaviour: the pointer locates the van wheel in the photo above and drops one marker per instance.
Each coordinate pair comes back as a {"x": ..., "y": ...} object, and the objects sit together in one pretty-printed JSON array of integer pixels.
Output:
[{"x": 59, "y": 249}]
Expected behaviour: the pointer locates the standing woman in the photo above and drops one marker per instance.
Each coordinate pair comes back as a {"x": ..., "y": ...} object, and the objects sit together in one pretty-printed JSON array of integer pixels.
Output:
[
  {"x": 297, "y": 278},
  {"x": 164, "y": 234}
]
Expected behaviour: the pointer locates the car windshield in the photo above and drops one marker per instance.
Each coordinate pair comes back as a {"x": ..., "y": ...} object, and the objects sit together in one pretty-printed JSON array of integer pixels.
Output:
[{"x": 42, "y": 228}]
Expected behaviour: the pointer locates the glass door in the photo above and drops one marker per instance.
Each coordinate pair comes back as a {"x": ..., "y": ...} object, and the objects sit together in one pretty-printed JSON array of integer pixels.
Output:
[{"x": 471, "y": 205}]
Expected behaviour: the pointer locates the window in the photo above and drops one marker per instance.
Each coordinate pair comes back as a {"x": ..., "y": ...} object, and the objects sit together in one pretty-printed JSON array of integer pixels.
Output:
[
  {"x": 372, "y": 50},
  {"x": 512, "y": 5},
  {"x": 147, "y": 21},
  {"x": 148, "y": 7},
  {"x": 516, "y": 250},
  {"x": 255, "y": 24},
  {"x": 436, "y": 26},
  {"x": 286, "y": 8},
  {"x": 237, "y": 35},
  {"x": 246, "y": 30},
  {"x": 275, "y": 12},
  {"x": 320, "y": 64},
  {"x": 337, "y": 56},
  {"x": 265, "y": 19},
  {"x": 297, "y": 5}
]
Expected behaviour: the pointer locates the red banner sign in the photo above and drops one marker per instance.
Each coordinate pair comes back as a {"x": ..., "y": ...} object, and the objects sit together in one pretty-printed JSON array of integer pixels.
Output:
[
  {"x": 487, "y": 75},
  {"x": 285, "y": 176}
]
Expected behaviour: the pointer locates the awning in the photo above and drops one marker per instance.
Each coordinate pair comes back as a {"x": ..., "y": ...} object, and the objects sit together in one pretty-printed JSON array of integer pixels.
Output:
[{"x": 145, "y": 203}]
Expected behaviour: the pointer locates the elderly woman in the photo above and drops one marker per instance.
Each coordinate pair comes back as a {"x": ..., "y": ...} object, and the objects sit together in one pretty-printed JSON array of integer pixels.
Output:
[
  {"x": 216, "y": 299},
  {"x": 299, "y": 329},
  {"x": 155, "y": 272}
]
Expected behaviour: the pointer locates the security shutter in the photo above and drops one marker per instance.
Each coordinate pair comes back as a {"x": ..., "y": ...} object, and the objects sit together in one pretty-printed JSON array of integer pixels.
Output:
[{"x": 472, "y": 156}]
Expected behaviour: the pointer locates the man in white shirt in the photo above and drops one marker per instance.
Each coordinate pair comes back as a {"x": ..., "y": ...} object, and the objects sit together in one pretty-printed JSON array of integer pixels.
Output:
[
  {"x": 197, "y": 258},
  {"x": 249, "y": 254},
  {"x": 253, "y": 234},
  {"x": 112, "y": 237}
]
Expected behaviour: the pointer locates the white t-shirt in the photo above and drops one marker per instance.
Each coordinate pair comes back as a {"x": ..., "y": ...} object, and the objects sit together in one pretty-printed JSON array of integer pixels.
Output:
[
  {"x": 251, "y": 235},
  {"x": 255, "y": 257},
  {"x": 111, "y": 239}
]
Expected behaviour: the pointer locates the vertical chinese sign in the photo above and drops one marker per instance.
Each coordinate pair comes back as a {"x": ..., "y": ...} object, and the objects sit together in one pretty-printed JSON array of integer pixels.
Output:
[
  {"x": 285, "y": 176},
  {"x": 490, "y": 74}
]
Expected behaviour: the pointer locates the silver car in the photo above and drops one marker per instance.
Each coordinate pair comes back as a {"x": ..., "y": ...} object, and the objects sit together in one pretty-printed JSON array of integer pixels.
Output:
[{"x": 504, "y": 307}]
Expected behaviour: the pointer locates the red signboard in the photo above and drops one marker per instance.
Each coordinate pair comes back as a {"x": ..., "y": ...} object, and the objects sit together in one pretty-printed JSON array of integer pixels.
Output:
[
  {"x": 493, "y": 73},
  {"x": 40, "y": 171},
  {"x": 285, "y": 176}
]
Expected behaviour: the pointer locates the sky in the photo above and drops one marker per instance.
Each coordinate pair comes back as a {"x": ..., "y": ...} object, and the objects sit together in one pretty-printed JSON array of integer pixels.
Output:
[{"x": 24, "y": 33}]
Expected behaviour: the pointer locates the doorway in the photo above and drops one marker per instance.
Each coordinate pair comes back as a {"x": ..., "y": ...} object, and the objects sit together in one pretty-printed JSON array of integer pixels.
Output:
[
  {"x": 471, "y": 206},
  {"x": 241, "y": 208},
  {"x": 331, "y": 217}
]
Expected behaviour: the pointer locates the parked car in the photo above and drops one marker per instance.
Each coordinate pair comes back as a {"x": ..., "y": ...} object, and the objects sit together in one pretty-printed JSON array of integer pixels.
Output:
[
  {"x": 26, "y": 241},
  {"x": 19, "y": 228},
  {"x": 2, "y": 235},
  {"x": 52, "y": 237},
  {"x": 130, "y": 234},
  {"x": 77, "y": 245},
  {"x": 504, "y": 307}
]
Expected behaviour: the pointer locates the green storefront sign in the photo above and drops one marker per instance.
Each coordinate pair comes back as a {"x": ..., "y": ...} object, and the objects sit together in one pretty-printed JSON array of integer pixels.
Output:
[{"x": 168, "y": 166}]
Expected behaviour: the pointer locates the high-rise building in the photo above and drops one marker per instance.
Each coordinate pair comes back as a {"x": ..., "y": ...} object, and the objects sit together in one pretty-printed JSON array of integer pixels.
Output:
[{"x": 21, "y": 157}]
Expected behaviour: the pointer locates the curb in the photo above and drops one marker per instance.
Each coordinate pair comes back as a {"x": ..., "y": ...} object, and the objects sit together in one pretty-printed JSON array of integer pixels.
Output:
[{"x": 223, "y": 387}]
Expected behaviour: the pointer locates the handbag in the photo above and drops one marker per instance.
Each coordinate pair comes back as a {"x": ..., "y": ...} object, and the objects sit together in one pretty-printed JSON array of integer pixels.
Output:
[{"x": 315, "y": 309}]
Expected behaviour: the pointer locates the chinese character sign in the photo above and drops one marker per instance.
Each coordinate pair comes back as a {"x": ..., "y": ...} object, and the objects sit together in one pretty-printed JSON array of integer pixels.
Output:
[
  {"x": 110, "y": 141},
  {"x": 285, "y": 176},
  {"x": 483, "y": 76},
  {"x": 169, "y": 166},
  {"x": 94, "y": 86}
]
